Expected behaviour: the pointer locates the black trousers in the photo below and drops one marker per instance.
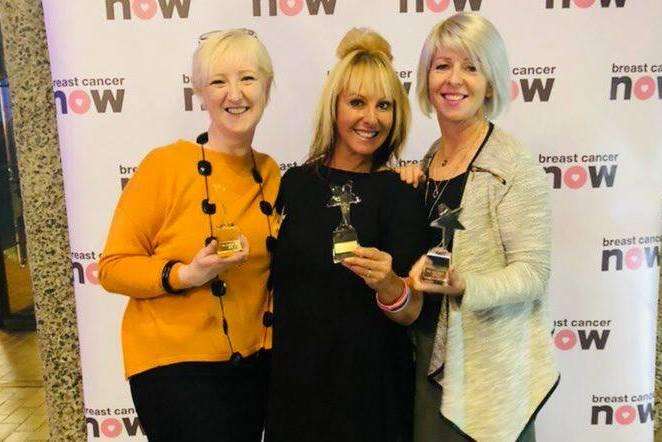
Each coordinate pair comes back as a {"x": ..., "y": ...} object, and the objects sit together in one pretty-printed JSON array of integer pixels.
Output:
[{"x": 203, "y": 401}]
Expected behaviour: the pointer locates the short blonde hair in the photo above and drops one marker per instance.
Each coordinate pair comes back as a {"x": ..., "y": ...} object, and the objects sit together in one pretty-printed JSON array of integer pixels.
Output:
[
  {"x": 230, "y": 43},
  {"x": 364, "y": 66},
  {"x": 478, "y": 38}
]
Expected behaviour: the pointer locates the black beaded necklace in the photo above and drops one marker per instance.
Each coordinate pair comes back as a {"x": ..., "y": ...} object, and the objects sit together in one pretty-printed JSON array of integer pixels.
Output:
[{"x": 218, "y": 286}]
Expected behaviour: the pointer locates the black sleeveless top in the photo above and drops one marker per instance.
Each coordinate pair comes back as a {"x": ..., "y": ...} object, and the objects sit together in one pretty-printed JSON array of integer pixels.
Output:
[{"x": 450, "y": 193}]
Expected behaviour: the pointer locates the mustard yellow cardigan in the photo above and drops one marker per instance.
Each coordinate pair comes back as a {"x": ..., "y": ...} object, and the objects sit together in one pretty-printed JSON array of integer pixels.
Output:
[{"x": 159, "y": 218}]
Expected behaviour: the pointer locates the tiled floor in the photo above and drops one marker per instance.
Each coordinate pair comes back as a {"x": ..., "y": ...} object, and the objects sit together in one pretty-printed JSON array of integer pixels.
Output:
[{"x": 22, "y": 410}]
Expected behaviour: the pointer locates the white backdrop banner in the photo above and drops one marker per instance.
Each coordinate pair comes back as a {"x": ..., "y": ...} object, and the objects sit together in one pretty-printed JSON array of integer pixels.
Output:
[{"x": 587, "y": 100}]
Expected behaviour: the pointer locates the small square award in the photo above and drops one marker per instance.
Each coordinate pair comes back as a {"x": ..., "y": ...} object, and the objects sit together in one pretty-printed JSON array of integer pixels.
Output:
[
  {"x": 345, "y": 239},
  {"x": 228, "y": 235},
  {"x": 228, "y": 239},
  {"x": 439, "y": 258}
]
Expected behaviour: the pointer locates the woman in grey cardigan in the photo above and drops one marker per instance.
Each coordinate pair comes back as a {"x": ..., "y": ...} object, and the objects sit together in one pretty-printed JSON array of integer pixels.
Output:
[{"x": 484, "y": 349}]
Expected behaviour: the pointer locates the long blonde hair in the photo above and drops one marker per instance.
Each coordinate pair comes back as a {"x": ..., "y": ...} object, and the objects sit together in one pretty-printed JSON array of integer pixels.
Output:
[{"x": 365, "y": 65}]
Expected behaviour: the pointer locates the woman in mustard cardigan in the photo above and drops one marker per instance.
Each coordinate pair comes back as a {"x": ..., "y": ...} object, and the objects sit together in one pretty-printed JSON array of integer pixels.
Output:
[{"x": 195, "y": 332}]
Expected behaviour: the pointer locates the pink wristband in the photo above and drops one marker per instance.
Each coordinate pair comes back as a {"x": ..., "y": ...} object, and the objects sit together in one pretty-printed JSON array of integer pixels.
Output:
[{"x": 399, "y": 304}]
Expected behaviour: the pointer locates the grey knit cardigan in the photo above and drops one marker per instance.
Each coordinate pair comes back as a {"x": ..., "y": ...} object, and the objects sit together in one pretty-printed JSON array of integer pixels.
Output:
[{"x": 493, "y": 352}]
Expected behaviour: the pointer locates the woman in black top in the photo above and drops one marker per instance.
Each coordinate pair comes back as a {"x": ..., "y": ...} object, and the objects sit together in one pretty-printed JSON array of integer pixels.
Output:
[{"x": 342, "y": 370}]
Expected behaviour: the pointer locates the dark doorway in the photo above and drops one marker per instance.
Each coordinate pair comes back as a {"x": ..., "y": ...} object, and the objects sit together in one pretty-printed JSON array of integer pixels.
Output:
[{"x": 16, "y": 299}]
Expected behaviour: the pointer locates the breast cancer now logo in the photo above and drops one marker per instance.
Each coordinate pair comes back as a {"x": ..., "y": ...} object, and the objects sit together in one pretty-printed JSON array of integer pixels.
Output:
[
  {"x": 146, "y": 9},
  {"x": 439, "y": 5},
  {"x": 622, "y": 410},
  {"x": 112, "y": 423},
  {"x": 85, "y": 267},
  {"x": 631, "y": 253},
  {"x": 580, "y": 171},
  {"x": 126, "y": 172},
  {"x": 642, "y": 86},
  {"x": 189, "y": 96},
  {"x": 583, "y": 4},
  {"x": 84, "y": 95},
  {"x": 113, "y": 427},
  {"x": 405, "y": 77},
  {"x": 530, "y": 87},
  {"x": 588, "y": 334},
  {"x": 292, "y": 8}
]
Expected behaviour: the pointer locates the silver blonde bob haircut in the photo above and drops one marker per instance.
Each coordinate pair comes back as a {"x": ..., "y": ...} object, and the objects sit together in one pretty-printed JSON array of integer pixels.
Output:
[{"x": 477, "y": 37}]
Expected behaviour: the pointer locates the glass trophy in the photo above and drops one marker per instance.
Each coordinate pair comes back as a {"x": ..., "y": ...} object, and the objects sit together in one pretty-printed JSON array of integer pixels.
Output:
[
  {"x": 439, "y": 258},
  {"x": 228, "y": 235},
  {"x": 228, "y": 239},
  {"x": 345, "y": 239}
]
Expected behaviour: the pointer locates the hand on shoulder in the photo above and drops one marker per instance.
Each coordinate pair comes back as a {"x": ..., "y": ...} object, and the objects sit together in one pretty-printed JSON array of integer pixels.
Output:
[{"x": 411, "y": 174}]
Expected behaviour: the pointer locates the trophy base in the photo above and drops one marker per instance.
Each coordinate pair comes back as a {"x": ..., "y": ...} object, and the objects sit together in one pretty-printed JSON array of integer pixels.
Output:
[
  {"x": 345, "y": 240},
  {"x": 227, "y": 236},
  {"x": 436, "y": 269},
  {"x": 342, "y": 250},
  {"x": 227, "y": 248}
]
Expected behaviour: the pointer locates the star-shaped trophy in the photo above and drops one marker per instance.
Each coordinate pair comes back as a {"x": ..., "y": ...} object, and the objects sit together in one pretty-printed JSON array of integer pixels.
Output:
[
  {"x": 345, "y": 239},
  {"x": 439, "y": 258}
]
